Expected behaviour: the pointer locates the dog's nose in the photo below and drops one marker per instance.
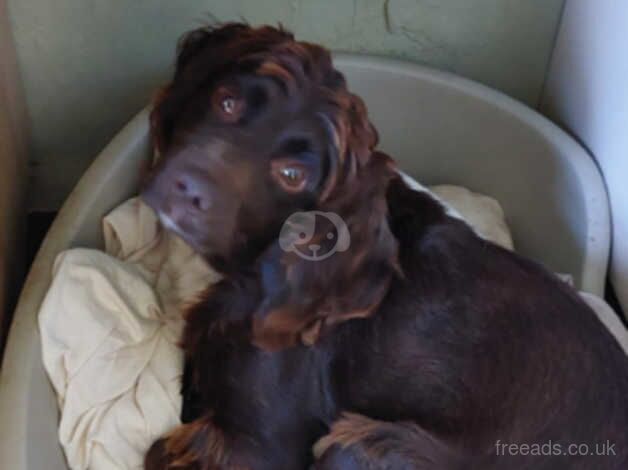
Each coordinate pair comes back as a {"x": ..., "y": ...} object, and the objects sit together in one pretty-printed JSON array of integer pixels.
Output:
[{"x": 192, "y": 190}]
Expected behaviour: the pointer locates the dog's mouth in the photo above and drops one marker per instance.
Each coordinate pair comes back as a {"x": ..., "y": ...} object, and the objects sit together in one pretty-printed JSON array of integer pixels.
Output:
[{"x": 171, "y": 225}]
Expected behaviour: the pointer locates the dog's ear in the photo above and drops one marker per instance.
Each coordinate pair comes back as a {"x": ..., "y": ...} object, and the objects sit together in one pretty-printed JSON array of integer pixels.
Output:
[
  {"x": 306, "y": 297},
  {"x": 341, "y": 270},
  {"x": 353, "y": 138},
  {"x": 190, "y": 46}
]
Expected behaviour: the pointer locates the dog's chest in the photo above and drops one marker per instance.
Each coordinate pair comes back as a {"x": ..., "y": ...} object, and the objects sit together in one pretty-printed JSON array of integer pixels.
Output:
[{"x": 243, "y": 380}]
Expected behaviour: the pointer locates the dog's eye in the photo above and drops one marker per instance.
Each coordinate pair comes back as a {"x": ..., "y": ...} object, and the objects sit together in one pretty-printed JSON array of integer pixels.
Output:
[
  {"x": 228, "y": 104},
  {"x": 291, "y": 175}
]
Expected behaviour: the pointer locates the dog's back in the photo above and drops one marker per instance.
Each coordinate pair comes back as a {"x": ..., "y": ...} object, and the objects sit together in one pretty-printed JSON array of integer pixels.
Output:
[{"x": 488, "y": 351}]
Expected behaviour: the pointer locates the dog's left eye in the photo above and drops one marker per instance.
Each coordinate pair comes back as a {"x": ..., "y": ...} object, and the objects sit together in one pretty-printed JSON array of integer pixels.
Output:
[{"x": 291, "y": 175}]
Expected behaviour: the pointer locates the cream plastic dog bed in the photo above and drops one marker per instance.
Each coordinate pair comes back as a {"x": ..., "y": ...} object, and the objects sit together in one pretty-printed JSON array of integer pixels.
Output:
[{"x": 440, "y": 128}]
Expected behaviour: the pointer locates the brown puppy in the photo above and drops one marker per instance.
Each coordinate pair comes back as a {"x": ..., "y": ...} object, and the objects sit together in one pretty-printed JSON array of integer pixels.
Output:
[{"x": 451, "y": 346}]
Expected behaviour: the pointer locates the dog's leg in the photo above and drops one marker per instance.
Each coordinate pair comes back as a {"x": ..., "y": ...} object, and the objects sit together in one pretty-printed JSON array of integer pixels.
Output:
[
  {"x": 192, "y": 406},
  {"x": 198, "y": 445},
  {"x": 225, "y": 303},
  {"x": 356, "y": 442}
]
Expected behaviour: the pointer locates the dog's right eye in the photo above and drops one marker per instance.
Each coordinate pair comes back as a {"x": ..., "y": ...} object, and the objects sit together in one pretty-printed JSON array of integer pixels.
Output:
[{"x": 228, "y": 104}]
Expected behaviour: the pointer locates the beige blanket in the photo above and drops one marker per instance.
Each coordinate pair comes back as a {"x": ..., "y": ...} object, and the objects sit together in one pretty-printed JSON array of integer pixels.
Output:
[
  {"x": 109, "y": 327},
  {"x": 110, "y": 323}
]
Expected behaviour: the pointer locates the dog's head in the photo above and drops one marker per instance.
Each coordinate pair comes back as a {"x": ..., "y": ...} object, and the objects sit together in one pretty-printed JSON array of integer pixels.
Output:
[{"x": 266, "y": 158}]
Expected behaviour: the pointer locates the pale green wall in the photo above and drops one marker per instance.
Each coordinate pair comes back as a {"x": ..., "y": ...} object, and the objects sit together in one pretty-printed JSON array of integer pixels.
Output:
[{"x": 89, "y": 65}]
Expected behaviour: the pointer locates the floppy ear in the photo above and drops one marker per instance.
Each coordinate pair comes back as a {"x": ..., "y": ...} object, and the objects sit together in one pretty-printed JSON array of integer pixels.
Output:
[
  {"x": 189, "y": 47},
  {"x": 305, "y": 297},
  {"x": 353, "y": 138},
  {"x": 166, "y": 106}
]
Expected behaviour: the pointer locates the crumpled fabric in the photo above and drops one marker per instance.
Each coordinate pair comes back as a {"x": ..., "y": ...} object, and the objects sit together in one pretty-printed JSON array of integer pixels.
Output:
[{"x": 109, "y": 328}]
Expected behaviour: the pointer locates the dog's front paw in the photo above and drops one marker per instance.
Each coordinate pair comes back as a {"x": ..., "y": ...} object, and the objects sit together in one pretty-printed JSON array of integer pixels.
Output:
[
  {"x": 344, "y": 448},
  {"x": 356, "y": 442},
  {"x": 192, "y": 446}
]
